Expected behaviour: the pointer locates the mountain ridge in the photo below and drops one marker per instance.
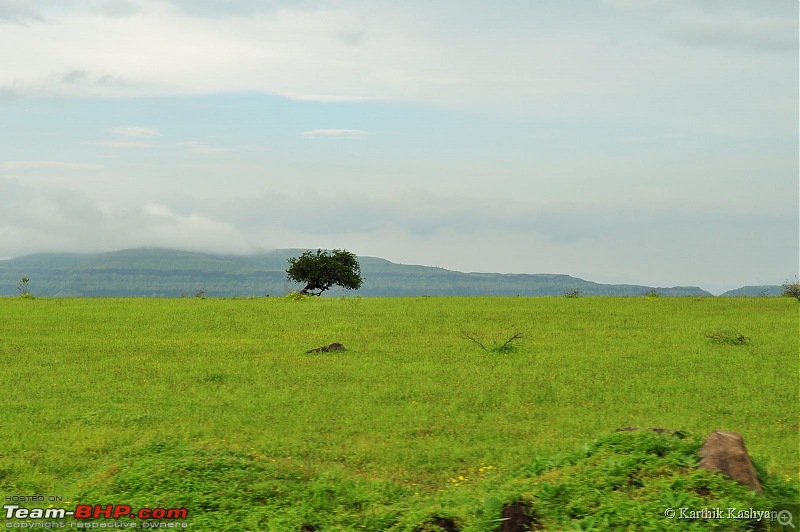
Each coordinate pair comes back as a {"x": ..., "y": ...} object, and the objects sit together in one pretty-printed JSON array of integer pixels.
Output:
[{"x": 159, "y": 272}]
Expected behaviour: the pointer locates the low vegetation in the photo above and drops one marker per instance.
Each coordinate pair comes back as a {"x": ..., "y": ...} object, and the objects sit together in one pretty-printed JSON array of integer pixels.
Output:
[
  {"x": 23, "y": 287},
  {"x": 214, "y": 405},
  {"x": 791, "y": 289},
  {"x": 723, "y": 336}
]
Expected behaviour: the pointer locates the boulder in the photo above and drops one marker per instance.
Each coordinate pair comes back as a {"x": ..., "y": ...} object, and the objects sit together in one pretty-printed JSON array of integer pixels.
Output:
[
  {"x": 335, "y": 346},
  {"x": 518, "y": 517},
  {"x": 444, "y": 524},
  {"x": 725, "y": 452}
]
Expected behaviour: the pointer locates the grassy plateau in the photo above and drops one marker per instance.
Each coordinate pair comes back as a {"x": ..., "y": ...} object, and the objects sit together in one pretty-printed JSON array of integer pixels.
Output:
[{"x": 214, "y": 405}]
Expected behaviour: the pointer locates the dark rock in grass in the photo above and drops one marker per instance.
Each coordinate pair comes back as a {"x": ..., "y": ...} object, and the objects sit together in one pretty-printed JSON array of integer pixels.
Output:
[
  {"x": 725, "y": 452},
  {"x": 438, "y": 524},
  {"x": 335, "y": 346},
  {"x": 446, "y": 523},
  {"x": 518, "y": 517}
]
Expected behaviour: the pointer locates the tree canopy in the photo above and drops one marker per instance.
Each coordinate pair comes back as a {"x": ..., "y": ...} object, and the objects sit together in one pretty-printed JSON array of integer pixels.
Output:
[{"x": 321, "y": 270}]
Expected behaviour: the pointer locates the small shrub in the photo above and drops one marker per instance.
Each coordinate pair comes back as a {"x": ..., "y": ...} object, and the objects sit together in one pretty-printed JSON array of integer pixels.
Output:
[
  {"x": 572, "y": 293},
  {"x": 653, "y": 293},
  {"x": 791, "y": 289},
  {"x": 506, "y": 347},
  {"x": 24, "y": 290},
  {"x": 215, "y": 378},
  {"x": 297, "y": 296},
  {"x": 724, "y": 336}
]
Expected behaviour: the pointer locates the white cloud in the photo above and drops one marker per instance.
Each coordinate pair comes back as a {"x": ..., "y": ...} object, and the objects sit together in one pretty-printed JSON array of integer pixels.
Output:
[
  {"x": 66, "y": 175},
  {"x": 335, "y": 133},
  {"x": 50, "y": 216},
  {"x": 8, "y": 93},
  {"x": 735, "y": 28},
  {"x": 157, "y": 225},
  {"x": 137, "y": 137},
  {"x": 135, "y": 132},
  {"x": 116, "y": 8},
  {"x": 227, "y": 8},
  {"x": 550, "y": 62},
  {"x": 49, "y": 165},
  {"x": 663, "y": 243},
  {"x": 155, "y": 209},
  {"x": 18, "y": 11},
  {"x": 136, "y": 144},
  {"x": 201, "y": 147},
  {"x": 330, "y": 97}
]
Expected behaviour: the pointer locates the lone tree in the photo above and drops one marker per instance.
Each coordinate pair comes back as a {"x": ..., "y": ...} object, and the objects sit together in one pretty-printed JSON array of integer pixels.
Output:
[
  {"x": 321, "y": 270},
  {"x": 22, "y": 286},
  {"x": 791, "y": 288}
]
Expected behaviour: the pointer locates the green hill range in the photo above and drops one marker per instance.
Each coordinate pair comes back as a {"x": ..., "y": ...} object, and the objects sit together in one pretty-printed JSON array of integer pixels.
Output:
[{"x": 153, "y": 272}]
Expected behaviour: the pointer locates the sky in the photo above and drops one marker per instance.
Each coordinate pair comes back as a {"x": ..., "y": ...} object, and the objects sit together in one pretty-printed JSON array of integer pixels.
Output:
[{"x": 620, "y": 141}]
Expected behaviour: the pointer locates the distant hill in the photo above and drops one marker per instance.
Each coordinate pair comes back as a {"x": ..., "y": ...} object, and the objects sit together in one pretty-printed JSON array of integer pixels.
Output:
[
  {"x": 153, "y": 272},
  {"x": 754, "y": 291}
]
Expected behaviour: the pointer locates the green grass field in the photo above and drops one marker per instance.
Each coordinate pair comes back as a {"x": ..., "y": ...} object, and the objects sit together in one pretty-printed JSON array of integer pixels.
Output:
[{"x": 214, "y": 405}]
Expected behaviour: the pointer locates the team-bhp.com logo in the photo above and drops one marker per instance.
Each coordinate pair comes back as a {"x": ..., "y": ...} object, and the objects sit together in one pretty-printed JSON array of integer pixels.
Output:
[{"x": 88, "y": 511}]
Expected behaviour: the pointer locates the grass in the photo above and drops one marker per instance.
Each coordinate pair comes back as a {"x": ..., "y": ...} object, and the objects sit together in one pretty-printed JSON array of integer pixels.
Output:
[{"x": 213, "y": 404}]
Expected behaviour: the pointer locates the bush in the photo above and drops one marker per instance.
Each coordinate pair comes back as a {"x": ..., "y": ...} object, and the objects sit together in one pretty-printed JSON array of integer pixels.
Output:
[
  {"x": 297, "y": 296},
  {"x": 24, "y": 290},
  {"x": 791, "y": 289},
  {"x": 506, "y": 347},
  {"x": 723, "y": 336}
]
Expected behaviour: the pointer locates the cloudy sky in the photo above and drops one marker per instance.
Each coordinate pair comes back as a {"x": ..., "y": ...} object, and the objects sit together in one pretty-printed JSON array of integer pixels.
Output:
[{"x": 632, "y": 141}]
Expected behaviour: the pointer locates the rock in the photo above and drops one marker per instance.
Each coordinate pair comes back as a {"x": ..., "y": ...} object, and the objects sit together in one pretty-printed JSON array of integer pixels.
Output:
[
  {"x": 335, "y": 346},
  {"x": 517, "y": 517},
  {"x": 446, "y": 524},
  {"x": 725, "y": 452},
  {"x": 438, "y": 524}
]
